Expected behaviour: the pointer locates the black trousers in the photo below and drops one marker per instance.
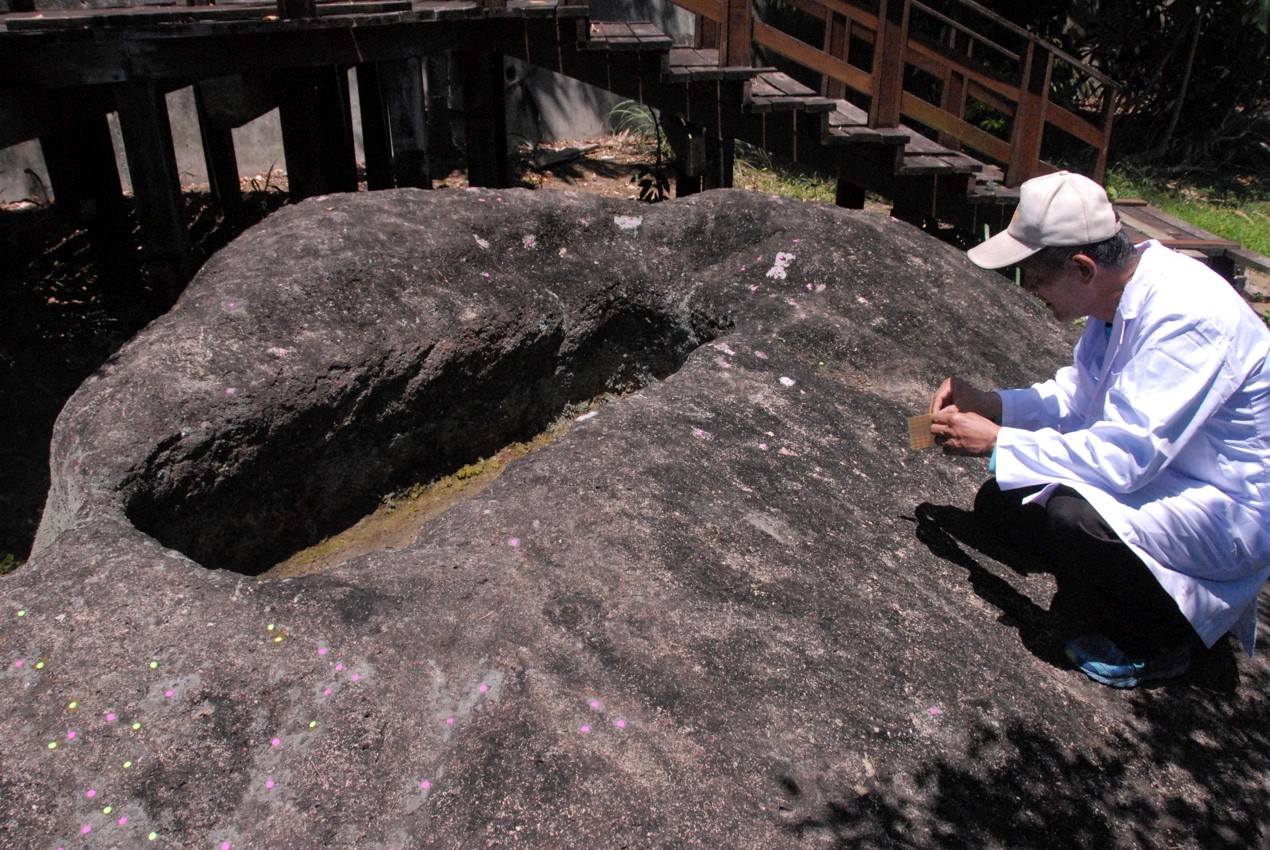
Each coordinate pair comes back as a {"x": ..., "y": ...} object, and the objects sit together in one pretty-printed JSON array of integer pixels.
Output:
[{"x": 1102, "y": 585}]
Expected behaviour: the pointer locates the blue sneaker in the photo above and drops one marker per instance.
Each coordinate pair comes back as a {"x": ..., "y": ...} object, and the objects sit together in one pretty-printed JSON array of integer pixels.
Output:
[{"x": 1101, "y": 660}]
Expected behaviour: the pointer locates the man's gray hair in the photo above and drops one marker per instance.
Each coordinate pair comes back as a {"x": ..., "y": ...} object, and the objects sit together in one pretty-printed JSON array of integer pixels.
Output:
[{"x": 1110, "y": 253}]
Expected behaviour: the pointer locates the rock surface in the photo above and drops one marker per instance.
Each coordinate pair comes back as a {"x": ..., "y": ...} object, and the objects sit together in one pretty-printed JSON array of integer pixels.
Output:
[{"x": 730, "y": 610}]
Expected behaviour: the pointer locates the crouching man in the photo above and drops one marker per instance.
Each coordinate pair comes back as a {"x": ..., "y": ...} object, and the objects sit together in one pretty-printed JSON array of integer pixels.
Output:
[{"x": 1141, "y": 472}]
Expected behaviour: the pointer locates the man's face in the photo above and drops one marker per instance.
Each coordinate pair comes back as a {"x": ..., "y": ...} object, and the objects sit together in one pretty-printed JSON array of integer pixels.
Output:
[{"x": 1064, "y": 289}]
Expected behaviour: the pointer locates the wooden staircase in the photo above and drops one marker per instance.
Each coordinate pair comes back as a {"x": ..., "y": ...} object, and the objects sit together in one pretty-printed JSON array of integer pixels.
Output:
[{"x": 866, "y": 122}]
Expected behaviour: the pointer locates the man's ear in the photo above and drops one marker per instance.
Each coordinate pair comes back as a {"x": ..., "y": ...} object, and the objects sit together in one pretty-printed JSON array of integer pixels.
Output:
[{"x": 1086, "y": 266}]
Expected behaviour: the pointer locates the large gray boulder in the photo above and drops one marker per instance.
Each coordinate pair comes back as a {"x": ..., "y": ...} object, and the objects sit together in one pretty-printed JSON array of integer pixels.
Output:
[{"x": 732, "y": 609}]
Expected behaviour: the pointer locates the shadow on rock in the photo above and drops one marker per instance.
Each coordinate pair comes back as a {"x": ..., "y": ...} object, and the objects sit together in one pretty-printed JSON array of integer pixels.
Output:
[{"x": 945, "y": 529}]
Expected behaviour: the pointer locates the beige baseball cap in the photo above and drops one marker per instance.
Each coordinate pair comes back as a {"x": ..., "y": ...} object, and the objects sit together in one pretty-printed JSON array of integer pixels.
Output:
[{"x": 1054, "y": 210}]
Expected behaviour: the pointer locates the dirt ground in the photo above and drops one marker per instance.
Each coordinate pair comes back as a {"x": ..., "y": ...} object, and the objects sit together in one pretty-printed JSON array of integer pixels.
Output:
[{"x": 65, "y": 307}]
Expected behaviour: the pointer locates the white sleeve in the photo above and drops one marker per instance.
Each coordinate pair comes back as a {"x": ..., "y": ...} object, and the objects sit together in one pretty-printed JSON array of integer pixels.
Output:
[{"x": 1169, "y": 384}]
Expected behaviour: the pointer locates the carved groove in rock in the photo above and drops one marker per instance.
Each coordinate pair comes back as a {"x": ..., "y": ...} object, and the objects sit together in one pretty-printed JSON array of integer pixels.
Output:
[{"x": 248, "y": 497}]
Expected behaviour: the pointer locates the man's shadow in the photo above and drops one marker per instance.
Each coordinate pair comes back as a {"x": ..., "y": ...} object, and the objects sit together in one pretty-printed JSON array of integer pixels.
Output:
[{"x": 948, "y": 531}]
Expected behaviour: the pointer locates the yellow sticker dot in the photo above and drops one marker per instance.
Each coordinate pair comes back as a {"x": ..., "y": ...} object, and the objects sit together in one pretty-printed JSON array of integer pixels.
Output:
[
  {"x": 52, "y": 745},
  {"x": 72, "y": 705},
  {"x": 269, "y": 627},
  {"x": 152, "y": 836},
  {"x": 39, "y": 665},
  {"x": 278, "y": 639},
  {"x": 107, "y": 810},
  {"x": 22, "y": 613},
  {"x": 154, "y": 664},
  {"x": 312, "y": 724},
  {"x": 136, "y": 726},
  {"x": 127, "y": 765}
]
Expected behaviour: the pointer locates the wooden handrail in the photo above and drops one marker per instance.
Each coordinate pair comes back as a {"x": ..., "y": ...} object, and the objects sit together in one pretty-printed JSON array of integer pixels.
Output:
[{"x": 1023, "y": 96}]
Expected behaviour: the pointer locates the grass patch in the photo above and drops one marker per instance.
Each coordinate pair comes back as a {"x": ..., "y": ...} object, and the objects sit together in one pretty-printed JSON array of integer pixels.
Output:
[
  {"x": 1239, "y": 210},
  {"x": 755, "y": 169}
]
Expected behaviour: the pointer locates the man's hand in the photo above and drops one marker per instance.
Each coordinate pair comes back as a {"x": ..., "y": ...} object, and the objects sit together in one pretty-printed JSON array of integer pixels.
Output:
[
  {"x": 961, "y": 433},
  {"x": 955, "y": 392}
]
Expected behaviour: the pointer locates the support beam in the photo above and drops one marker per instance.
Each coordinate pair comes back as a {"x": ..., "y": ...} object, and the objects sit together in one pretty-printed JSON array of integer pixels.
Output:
[
  {"x": 317, "y": 131},
  {"x": 219, "y": 156},
  {"x": 376, "y": 141},
  {"x": 407, "y": 124},
  {"x": 485, "y": 114},
  {"x": 147, "y": 139},
  {"x": 1029, "y": 118},
  {"x": 82, "y": 170}
]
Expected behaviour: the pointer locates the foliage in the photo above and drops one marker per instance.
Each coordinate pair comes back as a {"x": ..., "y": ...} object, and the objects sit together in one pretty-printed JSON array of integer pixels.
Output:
[
  {"x": 634, "y": 118},
  {"x": 1196, "y": 75},
  {"x": 8, "y": 563}
]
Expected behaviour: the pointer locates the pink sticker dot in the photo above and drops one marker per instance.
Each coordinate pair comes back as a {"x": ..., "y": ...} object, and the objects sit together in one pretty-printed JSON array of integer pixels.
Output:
[
  {"x": 449, "y": 721},
  {"x": 18, "y": 663},
  {"x": 339, "y": 668},
  {"x": 233, "y": 304},
  {"x": 229, "y": 390},
  {"x": 86, "y": 828},
  {"x": 585, "y": 729},
  {"x": 322, "y": 650},
  {"x": 123, "y": 821},
  {"x": 225, "y": 845},
  {"x": 484, "y": 689},
  {"x": 277, "y": 742},
  {"x": 760, "y": 355},
  {"x": 762, "y": 446},
  {"x": 91, "y": 793},
  {"x": 620, "y": 724},
  {"x": 515, "y": 541},
  {"x": 425, "y": 785},
  {"x": 595, "y": 703},
  {"x": 269, "y": 783},
  {"x": 71, "y": 735},
  {"x": 356, "y": 677},
  {"x": 168, "y": 694},
  {"x": 326, "y": 692}
]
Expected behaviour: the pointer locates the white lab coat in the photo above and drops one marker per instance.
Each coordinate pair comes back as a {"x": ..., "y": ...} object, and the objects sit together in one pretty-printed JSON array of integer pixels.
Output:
[{"x": 1164, "y": 427}]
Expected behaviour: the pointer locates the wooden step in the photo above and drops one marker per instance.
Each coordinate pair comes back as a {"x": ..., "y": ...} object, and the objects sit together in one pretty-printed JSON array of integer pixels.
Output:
[
  {"x": 685, "y": 64},
  {"x": 622, "y": 35},
  {"x": 773, "y": 90}
]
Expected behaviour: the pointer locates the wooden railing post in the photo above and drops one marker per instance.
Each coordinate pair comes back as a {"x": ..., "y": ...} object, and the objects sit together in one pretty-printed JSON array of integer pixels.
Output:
[
  {"x": 1108, "y": 111},
  {"x": 888, "y": 63},
  {"x": 838, "y": 46},
  {"x": 738, "y": 32},
  {"x": 1029, "y": 117}
]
